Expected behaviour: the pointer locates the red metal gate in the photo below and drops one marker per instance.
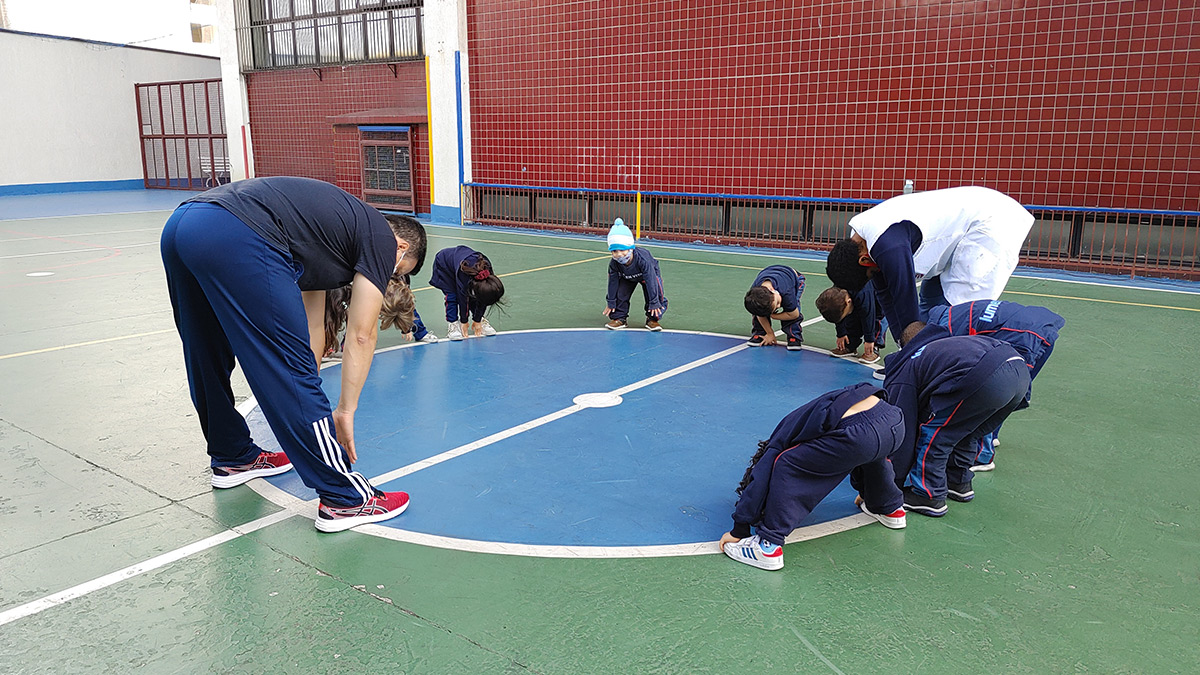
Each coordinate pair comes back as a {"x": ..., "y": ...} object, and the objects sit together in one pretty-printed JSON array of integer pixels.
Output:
[{"x": 182, "y": 126}]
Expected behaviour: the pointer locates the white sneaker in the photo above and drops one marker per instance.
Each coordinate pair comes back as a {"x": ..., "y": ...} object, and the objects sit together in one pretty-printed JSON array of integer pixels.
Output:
[
  {"x": 429, "y": 338},
  {"x": 750, "y": 551},
  {"x": 896, "y": 520},
  {"x": 488, "y": 331},
  {"x": 979, "y": 468},
  {"x": 455, "y": 332}
]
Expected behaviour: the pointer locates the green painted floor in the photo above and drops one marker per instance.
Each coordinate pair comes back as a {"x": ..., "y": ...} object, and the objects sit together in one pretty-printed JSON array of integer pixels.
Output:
[{"x": 1079, "y": 554}]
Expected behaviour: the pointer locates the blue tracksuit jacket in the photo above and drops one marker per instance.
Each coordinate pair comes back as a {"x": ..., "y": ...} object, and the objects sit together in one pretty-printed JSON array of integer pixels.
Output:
[
  {"x": 936, "y": 370},
  {"x": 642, "y": 269},
  {"x": 448, "y": 278},
  {"x": 1029, "y": 330}
]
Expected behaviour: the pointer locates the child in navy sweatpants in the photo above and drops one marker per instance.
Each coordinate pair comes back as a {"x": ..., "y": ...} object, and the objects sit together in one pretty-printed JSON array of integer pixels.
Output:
[
  {"x": 857, "y": 318},
  {"x": 776, "y": 295},
  {"x": 1031, "y": 331},
  {"x": 851, "y": 431},
  {"x": 953, "y": 390},
  {"x": 471, "y": 286},
  {"x": 629, "y": 268}
]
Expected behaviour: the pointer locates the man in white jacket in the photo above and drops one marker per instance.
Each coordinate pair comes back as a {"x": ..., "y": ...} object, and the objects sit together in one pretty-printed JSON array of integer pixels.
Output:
[{"x": 963, "y": 242}]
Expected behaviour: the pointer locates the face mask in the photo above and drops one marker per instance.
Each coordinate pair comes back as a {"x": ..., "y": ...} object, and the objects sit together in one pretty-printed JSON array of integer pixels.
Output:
[
  {"x": 396, "y": 269},
  {"x": 625, "y": 257}
]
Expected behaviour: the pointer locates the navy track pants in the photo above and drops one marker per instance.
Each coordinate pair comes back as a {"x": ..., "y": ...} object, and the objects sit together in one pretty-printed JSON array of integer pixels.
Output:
[
  {"x": 625, "y": 289},
  {"x": 233, "y": 295},
  {"x": 805, "y": 474},
  {"x": 948, "y": 443}
]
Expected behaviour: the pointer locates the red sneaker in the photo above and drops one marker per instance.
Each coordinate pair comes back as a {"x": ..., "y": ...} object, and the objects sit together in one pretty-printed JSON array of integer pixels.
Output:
[
  {"x": 895, "y": 520},
  {"x": 382, "y": 506},
  {"x": 267, "y": 464}
]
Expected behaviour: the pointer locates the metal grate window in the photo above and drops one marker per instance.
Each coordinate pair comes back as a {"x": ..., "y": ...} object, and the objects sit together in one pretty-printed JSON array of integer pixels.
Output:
[
  {"x": 387, "y": 168},
  {"x": 275, "y": 34}
]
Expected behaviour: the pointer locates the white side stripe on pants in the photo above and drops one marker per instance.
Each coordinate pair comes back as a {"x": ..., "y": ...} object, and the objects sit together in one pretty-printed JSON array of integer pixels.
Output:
[{"x": 331, "y": 455}]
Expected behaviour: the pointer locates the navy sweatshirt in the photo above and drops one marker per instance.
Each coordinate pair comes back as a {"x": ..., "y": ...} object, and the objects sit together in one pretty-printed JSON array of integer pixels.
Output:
[
  {"x": 642, "y": 269},
  {"x": 896, "y": 279},
  {"x": 787, "y": 282},
  {"x": 936, "y": 370},
  {"x": 448, "y": 276},
  {"x": 811, "y": 420},
  {"x": 865, "y": 311}
]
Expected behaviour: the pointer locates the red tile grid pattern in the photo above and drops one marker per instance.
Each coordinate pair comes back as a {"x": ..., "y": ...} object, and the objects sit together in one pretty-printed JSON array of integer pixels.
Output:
[
  {"x": 1076, "y": 103},
  {"x": 290, "y": 113}
]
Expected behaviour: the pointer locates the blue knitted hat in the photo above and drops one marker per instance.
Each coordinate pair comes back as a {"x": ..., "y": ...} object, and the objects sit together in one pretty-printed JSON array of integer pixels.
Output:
[{"x": 619, "y": 237}]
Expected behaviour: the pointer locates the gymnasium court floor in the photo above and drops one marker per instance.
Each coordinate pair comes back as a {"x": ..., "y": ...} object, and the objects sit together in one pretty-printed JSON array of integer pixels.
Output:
[{"x": 556, "y": 534}]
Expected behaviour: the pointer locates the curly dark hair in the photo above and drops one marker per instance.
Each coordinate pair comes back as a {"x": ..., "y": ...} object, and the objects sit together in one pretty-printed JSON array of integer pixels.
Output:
[
  {"x": 842, "y": 266},
  {"x": 762, "y": 450}
]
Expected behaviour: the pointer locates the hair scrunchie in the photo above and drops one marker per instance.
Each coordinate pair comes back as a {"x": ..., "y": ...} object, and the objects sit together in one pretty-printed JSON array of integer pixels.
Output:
[{"x": 482, "y": 274}]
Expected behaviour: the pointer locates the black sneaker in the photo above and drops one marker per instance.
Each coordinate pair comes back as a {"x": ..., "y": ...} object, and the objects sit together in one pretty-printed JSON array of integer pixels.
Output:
[
  {"x": 960, "y": 492},
  {"x": 795, "y": 344},
  {"x": 915, "y": 501},
  {"x": 755, "y": 341}
]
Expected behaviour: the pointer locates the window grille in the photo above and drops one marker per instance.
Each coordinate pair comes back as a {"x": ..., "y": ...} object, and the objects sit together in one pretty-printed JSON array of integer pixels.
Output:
[{"x": 276, "y": 34}]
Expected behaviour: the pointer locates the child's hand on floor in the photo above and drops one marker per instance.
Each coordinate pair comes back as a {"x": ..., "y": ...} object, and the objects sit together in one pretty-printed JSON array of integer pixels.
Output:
[
  {"x": 769, "y": 339},
  {"x": 842, "y": 342},
  {"x": 477, "y": 328},
  {"x": 727, "y": 538},
  {"x": 869, "y": 351},
  {"x": 408, "y": 337}
]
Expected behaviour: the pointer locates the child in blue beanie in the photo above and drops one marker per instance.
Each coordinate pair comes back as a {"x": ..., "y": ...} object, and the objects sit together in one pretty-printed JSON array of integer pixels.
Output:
[{"x": 629, "y": 267}]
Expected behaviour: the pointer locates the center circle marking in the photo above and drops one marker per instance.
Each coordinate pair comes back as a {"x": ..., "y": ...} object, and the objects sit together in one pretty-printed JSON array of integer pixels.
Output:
[{"x": 646, "y": 473}]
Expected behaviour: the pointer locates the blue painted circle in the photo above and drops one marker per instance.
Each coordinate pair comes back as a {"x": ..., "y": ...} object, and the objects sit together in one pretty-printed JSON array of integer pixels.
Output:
[{"x": 659, "y": 468}]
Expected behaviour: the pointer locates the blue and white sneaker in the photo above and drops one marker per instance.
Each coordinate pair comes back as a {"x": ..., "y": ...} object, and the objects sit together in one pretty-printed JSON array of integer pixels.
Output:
[{"x": 756, "y": 552}]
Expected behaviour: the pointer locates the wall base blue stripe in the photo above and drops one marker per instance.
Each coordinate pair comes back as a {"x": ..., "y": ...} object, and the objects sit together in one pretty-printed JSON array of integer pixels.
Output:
[
  {"x": 74, "y": 186},
  {"x": 446, "y": 214}
]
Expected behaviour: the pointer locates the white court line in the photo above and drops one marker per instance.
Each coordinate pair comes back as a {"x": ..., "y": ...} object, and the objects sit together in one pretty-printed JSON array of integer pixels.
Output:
[
  {"x": 30, "y": 608},
  {"x": 295, "y": 506},
  {"x": 78, "y": 250},
  {"x": 65, "y": 235}
]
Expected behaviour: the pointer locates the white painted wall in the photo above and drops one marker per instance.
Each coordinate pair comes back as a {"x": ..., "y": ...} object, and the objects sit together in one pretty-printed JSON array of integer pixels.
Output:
[
  {"x": 446, "y": 33},
  {"x": 233, "y": 87},
  {"x": 68, "y": 113}
]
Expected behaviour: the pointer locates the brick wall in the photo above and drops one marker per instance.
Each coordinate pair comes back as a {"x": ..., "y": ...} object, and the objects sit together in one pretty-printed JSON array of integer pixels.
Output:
[
  {"x": 290, "y": 113},
  {"x": 1056, "y": 102}
]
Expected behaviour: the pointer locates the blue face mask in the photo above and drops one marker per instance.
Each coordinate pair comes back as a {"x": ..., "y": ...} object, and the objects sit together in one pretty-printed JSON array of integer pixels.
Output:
[{"x": 625, "y": 256}]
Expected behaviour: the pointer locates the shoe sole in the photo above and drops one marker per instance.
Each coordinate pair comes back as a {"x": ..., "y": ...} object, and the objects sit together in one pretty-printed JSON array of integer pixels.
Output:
[
  {"x": 874, "y": 360},
  {"x": 963, "y": 497},
  {"x": 990, "y": 466},
  {"x": 754, "y": 344},
  {"x": 878, "y": 374},
  {"x": 843, "y": 356},
  {"x": 342, "y": 524},
  {"x": 614, "y": 327},
  {"x": 795, "y": 348},
  {"x": 932, "y": 512},
  {"x": 770, "y": 567},
  {"x": 886, "y": 521},
  {"x": 654, "y": 330},
  {"x": 224, "y": 482},
  {"x": 456, "y": 339}
]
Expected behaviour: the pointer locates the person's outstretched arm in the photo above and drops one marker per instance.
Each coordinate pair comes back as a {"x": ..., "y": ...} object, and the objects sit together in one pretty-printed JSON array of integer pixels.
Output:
[{"x": 362, "y": 332}]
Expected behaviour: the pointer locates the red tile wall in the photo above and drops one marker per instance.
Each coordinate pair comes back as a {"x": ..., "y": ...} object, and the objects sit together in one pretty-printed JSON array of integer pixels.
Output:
[
  {"x": 292, "y": 134},
  {"x": 1056, "y": 102}
]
